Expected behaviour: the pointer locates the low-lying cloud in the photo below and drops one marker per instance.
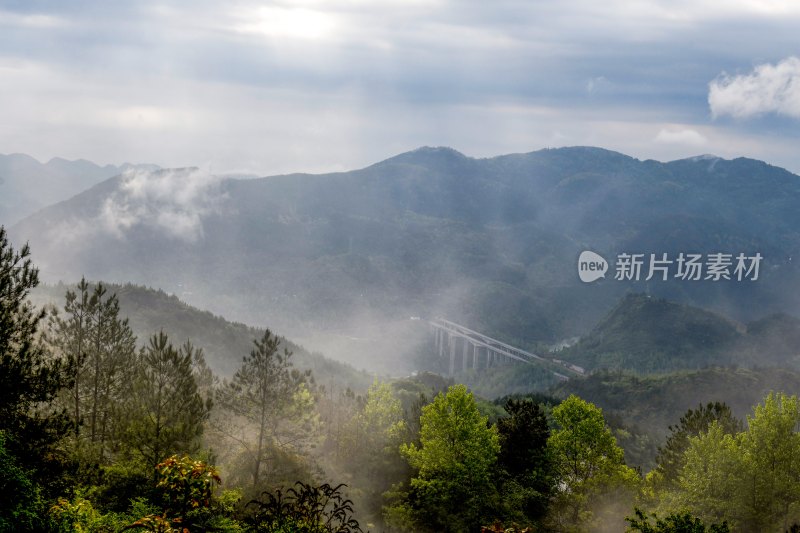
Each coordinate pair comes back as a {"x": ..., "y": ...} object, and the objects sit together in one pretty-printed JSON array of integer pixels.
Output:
[
  {"x": 768, "y": 89},
  {"x": 171, "y": 201}
]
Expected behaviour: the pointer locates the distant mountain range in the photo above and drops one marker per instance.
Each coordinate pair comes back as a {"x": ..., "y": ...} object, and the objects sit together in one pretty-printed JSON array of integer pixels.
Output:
[
  {"x": 26, "y": 185},
  {"x": 493, "y": 243}
]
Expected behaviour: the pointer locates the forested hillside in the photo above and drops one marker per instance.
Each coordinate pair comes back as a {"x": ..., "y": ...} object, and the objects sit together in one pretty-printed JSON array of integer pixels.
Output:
[
  {"x": 645, "y": 334},
  {"x": 492, "y": 243},
  {"x": 655, "y": 402},
  {"x": 224, "y": 343}
]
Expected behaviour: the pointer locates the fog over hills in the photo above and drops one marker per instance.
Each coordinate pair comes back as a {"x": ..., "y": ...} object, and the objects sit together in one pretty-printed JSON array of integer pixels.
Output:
[
  {"x": 492, "y": 243},
  {"x": 26, "y": 185}
]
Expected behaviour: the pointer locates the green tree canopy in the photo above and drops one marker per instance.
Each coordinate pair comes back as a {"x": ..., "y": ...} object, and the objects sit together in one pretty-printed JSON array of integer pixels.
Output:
[
  {"x": 692, "y": 424},
  {"x": 589, "y": 465},
  {"x": 453, "y": 487},
  {"x": 751, "y": 478}
]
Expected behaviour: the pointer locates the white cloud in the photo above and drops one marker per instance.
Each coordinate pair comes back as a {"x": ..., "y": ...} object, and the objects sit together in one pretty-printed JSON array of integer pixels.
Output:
[
  {"x": 172, "y": 201},
  {"x": 768, "y": 89},
  {"x": 686, "y": 137}
]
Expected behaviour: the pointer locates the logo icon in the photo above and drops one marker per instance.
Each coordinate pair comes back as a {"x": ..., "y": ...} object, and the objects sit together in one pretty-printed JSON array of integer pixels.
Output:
[{"x": 591, "y": 266}]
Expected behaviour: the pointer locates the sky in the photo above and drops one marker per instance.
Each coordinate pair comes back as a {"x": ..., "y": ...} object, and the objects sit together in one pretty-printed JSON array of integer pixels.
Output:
[{"x": 327, "y": 85}]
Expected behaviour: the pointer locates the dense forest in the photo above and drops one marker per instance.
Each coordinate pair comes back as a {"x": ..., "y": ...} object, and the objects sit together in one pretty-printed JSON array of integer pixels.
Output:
[{"x": 103, "y": 431}]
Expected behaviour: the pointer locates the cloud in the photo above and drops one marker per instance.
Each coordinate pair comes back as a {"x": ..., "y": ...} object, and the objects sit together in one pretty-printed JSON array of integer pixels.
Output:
[
  {"x": 280, "y": 86},
  {"x": 301, "y": 23},
  {"x": 594, "y": 84},
  {"x": 171, "y": 201},
  {"x": 687, "y": 137},
  {"x": 768, "y": 89},
  {"x": 35, "y": 21}
]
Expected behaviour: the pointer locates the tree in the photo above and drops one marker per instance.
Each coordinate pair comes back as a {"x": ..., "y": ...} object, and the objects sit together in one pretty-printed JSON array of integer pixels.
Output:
[
  {"x": 771, "y": 452},
  {"x": 711, "y": 476},
  {"x": 19, "y": 506},
  {"x": 268, "y": 393},
  {"x": 589, "y": 465},
  {"x": 525, "y": 463},
  {"x": 380, "y": 422},
  {"x": 72, "y": 336},
  {"x": 453, "y": 488},
  {"x": 371, "y": 439},
  {"x": 29, "y": 378},
  {"x": 165, "y": 413},
  {"x": 692, "y": 424},
  {"x": 112, "y": 347},
  {"x": 99, "y": 346},
  {"x": 751, "y": 478}
]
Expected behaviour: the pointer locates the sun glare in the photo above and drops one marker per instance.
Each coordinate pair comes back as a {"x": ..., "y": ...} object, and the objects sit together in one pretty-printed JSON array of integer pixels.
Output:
[{"x": 289, "y": 22}]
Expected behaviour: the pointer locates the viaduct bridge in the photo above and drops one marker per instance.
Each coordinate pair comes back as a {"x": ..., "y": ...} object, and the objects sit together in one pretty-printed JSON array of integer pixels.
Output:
[{"x": 467, "y": 348}]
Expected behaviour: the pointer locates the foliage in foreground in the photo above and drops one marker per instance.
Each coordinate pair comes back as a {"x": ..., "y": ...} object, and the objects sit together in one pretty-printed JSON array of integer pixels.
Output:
[
  {"x": 304, "y": 509},
  {"x": 674, "y": 523}
]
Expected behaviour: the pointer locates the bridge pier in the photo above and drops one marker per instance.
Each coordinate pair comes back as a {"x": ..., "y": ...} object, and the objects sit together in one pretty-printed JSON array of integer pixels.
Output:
[{"x": 452, "y": 356}]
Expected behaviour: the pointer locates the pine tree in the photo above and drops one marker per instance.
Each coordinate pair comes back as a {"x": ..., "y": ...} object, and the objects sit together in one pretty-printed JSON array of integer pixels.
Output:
[
  {"x": 165, "y": 413},
  {"x": 270, "y": 394},
  {"x": 29, "y": 378},
  {"x": 99, "y": 346},
  {"x": 71, "y": 337}
]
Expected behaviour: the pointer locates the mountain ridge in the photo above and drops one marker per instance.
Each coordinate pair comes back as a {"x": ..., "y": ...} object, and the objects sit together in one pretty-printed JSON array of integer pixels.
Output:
[{"x": 489, "y": 242}]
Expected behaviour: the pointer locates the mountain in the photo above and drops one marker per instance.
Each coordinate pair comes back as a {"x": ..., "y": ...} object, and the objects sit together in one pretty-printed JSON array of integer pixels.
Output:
[
  {"x": 26, "y": 185},
  {"x": 224, "y": 343},
  {"x": 492, "y": 243},
  {"x": 645, "y": 334}
]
